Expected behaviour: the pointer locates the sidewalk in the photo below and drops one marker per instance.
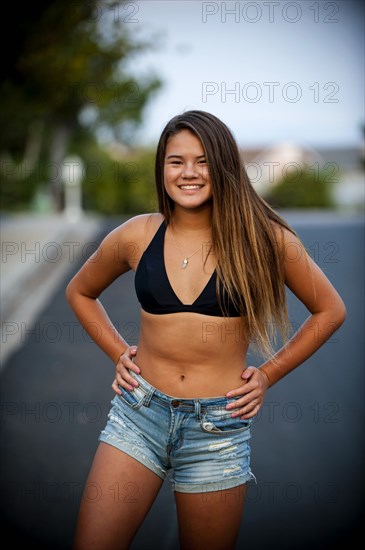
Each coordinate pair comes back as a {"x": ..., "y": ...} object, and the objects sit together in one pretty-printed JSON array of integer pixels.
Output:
[{"x": 37, "y": 250}]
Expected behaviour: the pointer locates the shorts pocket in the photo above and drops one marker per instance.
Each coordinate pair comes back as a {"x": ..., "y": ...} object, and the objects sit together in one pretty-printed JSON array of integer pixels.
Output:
[
  {"x": 220, "y": 422},
  {"x": 134, "y": 399}
]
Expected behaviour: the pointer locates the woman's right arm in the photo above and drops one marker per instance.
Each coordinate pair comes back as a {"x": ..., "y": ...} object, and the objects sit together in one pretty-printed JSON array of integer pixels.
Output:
[{"x": 114, "y": 256}]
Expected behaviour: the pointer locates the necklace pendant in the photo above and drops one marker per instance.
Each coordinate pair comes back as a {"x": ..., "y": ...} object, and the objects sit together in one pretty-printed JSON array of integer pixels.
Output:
[{"x": 184, "y": 263}]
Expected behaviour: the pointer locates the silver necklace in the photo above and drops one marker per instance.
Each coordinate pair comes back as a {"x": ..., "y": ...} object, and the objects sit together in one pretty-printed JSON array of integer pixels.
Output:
[{"x": 185, "y": 261}]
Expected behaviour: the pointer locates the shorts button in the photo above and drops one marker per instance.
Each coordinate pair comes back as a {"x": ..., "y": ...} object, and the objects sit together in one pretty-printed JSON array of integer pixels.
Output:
[{"x": 175, "y": 403}]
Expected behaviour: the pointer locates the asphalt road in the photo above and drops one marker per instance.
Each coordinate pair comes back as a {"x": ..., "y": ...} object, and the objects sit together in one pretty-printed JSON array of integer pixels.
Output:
[{"x": 307, "y": 446}]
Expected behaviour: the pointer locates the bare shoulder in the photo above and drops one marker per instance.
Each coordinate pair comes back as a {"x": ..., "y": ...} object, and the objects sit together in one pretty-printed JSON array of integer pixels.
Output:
[
  {"x": 136, "y": 227},
  {"x": 118, "y": 252},
  {"x": 285, "y": 238},
  {"x": 133, "y": 236}
]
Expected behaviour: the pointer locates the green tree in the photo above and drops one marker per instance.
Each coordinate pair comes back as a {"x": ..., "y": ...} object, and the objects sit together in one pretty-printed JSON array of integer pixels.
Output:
[
  {"x": 306, "y": 189},
  {"x": 64, "y": 81},
  {"x": 120, "y": 185}
]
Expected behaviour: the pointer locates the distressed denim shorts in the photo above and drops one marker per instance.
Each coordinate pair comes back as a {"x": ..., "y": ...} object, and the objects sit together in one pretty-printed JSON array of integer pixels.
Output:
[{"x": 197, "y": 439}]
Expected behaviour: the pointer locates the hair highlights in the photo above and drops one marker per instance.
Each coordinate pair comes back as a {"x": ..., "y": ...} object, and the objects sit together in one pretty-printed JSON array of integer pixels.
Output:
[{"x": 249, "y": 260}]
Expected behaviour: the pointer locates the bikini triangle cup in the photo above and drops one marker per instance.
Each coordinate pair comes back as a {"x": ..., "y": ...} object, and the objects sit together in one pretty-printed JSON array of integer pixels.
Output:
[{"x": 154, "y": 290}]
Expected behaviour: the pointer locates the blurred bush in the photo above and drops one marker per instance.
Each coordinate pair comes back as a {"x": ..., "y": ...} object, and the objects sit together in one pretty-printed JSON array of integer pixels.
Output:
[
  {"x": 302, "y": 189},
  {"x": 123, "y": 186}
]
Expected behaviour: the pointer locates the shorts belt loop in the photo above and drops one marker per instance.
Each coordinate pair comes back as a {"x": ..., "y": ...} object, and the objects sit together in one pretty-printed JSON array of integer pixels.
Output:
[
  {"x": 148, "y": 397},
  {"x": 197, "y": 409}
]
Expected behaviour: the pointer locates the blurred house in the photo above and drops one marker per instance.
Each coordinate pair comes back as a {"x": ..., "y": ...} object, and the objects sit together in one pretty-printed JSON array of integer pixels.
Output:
[
  {"x": 344, "y": 167},
  {"x": 350, "y": 189}
]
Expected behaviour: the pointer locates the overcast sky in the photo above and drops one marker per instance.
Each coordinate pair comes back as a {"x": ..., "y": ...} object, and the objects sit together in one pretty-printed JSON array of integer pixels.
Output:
[{"x": 296, "y": 69}]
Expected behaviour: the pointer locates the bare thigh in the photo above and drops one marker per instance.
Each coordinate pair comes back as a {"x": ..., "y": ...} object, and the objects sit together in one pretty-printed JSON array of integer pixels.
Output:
[
  {"x": 210, "y": 520},
  {"x": 118, "y": 494}
]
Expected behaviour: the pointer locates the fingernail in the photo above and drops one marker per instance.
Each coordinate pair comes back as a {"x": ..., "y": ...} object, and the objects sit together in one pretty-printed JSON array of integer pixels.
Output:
[
  {"x": 138, "y": 370},
  {"x": 229, "y": 394},
  {"x": 135, "y": 383}
]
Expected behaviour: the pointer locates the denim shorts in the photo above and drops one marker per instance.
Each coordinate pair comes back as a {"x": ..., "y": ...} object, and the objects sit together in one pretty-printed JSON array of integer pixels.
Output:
[{"x": 197, "y": 439}]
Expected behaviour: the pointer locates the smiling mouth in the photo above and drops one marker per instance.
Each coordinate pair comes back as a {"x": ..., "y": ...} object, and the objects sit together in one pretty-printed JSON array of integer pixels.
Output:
[{"x": 190, "y": 187}]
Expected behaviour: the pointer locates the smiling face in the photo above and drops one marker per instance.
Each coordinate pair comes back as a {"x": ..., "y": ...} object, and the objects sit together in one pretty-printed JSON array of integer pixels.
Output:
[{"x": 186, "y": 175}]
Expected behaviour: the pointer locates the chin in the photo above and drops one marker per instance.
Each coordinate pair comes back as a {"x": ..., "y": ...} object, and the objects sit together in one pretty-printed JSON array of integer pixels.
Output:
[{"x": 196, "y": 206}]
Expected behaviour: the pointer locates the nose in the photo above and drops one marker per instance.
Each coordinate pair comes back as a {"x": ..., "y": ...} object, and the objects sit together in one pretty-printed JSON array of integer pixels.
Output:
[{"x": 189, "y": 172}]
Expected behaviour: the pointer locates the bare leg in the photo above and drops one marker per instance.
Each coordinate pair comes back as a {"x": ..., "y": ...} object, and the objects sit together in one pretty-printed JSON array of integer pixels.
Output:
[
  {"x": 118, "y": 494},
  {"x": 210, "y": 520}
]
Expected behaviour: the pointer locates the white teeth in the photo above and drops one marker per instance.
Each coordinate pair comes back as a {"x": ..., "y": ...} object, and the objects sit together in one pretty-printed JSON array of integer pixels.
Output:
[{"x": 190, "y": 186}]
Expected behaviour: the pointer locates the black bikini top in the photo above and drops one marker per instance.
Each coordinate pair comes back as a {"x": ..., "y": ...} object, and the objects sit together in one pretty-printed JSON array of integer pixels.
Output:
[{"x": 154, "y": 291}]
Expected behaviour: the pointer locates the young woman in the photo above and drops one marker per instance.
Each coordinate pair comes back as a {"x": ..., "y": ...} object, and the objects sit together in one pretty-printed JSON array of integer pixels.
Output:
[{"x": 211, "y": 271}]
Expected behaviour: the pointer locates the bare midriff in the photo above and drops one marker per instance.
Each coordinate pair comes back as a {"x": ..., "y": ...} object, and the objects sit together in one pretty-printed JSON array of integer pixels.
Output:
[{"x": 190, "y": 355}]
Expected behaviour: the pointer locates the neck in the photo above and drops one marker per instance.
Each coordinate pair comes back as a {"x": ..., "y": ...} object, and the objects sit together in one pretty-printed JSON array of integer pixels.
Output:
[{"x": 191, "y": 221}]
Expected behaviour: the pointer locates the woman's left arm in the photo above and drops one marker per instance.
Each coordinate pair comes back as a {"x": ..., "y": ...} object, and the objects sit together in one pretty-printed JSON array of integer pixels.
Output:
[{"x": 328, "y": 312}]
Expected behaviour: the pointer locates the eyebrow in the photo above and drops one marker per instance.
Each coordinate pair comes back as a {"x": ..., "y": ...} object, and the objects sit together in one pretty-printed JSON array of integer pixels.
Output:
[{"x": 180, "y": 156}]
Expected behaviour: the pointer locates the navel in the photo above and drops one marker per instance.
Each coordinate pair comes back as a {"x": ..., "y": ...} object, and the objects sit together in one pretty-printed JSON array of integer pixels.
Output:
[{"x": 182, "y": 377}]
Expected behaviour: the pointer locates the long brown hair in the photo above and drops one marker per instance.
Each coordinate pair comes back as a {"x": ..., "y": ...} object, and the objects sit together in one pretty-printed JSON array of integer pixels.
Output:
[{"x": 249, "y": 261}]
